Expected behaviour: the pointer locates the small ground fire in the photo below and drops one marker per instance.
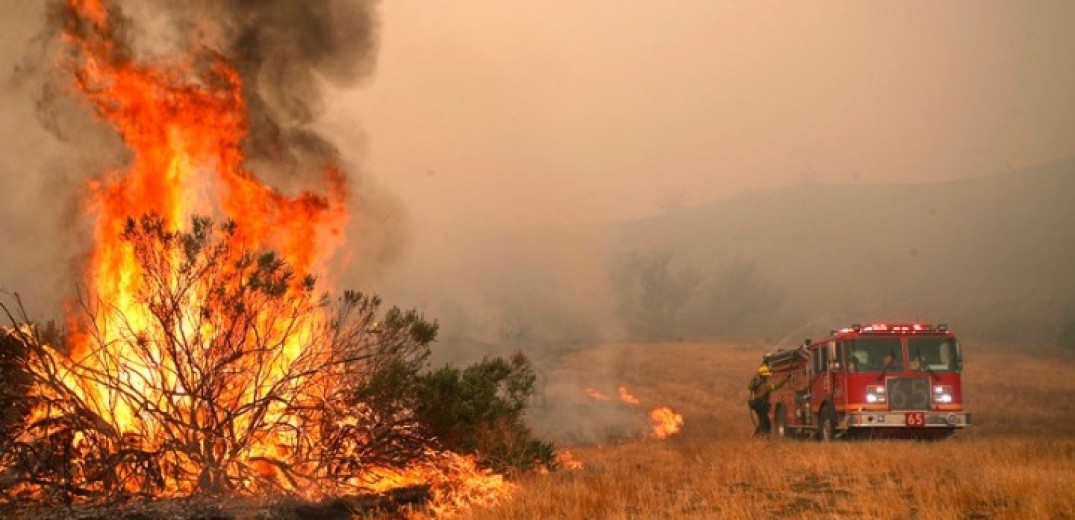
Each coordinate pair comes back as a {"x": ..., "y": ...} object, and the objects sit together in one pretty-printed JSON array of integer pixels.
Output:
[{"x": 664, "y": 422}]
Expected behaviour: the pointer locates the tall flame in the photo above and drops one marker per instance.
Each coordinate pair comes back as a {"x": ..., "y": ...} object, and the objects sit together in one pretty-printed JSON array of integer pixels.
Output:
[{"x": 184, "y": 122}]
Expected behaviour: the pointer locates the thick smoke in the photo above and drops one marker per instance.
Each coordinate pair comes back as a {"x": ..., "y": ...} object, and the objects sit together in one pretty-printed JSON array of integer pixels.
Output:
[
  {"x": 289, "y": 55},
  {"x": 286, "y": 51}
]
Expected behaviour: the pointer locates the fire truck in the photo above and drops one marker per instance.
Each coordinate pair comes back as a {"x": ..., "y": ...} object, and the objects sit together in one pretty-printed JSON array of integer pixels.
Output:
[{"x": 900, "y": 380}]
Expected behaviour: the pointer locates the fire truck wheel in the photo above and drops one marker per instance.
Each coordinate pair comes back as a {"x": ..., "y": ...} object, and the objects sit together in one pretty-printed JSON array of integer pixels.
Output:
[
  {"x": 780, "y": 422},
  {"x": 826, "y": 424}
]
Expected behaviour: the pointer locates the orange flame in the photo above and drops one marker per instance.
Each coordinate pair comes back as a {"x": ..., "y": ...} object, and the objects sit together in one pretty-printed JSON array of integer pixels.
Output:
[
  {"x": 665, "y": 422},
  {"x": 456, "y": 483},
  {"x": 595, "y": 394},
  {"x": 626, "y": 396},
  {"x": 567, "y": 460},
  {"x": 183, "y": 122}
]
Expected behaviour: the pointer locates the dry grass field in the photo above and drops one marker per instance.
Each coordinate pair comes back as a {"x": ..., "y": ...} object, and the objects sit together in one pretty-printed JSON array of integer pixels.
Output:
[{"x": 1016, "y": 461}]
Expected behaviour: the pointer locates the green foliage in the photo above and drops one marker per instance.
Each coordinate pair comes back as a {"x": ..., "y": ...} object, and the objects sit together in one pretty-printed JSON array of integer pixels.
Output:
[
  {"x": 412, "y": 324},
  {"x": 479, "y": 409},
  {"x": 391, "y": 386},
  {"x": 405, "y": 336}
]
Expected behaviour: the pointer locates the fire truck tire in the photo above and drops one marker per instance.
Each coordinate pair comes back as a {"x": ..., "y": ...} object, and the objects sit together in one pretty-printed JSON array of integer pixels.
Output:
[
  {"x": 826, "y": 424},
  {"x": 780, "y": 422}
]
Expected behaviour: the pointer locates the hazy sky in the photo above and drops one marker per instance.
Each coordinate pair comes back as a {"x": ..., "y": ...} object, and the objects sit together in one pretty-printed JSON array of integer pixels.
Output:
[
  {"x": 558, "y": 110},
  {"x": 507, "y": 113}
]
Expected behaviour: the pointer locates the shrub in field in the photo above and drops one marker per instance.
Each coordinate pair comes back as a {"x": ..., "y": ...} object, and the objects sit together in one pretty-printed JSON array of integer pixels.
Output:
[
  {"x": 479, "y": 409},
  {"x": 216, "y": 358}
]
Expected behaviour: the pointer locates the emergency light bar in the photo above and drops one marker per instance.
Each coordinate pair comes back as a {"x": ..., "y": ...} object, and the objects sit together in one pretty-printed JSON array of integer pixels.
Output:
[{"x": 891, "y": 327}]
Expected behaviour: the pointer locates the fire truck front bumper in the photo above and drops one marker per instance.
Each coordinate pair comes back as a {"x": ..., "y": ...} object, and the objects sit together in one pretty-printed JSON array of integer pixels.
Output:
[{"x": 908, "y": 419}]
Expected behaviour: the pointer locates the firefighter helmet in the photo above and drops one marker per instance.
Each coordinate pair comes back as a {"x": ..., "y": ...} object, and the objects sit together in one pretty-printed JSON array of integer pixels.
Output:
[{"x": 763, "y": 370}]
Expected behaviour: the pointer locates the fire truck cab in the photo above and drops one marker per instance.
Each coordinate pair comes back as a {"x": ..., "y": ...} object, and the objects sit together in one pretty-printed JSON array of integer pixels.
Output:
[{"x": 881, "y": 380}]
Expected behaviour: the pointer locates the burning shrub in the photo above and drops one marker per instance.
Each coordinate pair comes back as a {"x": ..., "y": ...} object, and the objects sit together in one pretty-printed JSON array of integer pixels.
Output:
[
  {"x": 223, "y": 374},
  {"x": 479, "y": 410}
]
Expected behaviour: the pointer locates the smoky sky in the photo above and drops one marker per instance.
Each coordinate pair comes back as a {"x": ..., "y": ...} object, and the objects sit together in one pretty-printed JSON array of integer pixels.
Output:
[
  {"x": 567, "y": 110},
  {"x": 505, "y": 121}
]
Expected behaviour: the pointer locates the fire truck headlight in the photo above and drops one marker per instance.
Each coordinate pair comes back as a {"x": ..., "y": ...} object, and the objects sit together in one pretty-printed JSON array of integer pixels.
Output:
[
  {"x": 942, "y": 394},
  {"x": 875, "y": 394}
]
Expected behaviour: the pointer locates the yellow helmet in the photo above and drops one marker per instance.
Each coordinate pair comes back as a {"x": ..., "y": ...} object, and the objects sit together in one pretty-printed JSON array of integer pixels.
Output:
[{"x": 763, "y": 370}]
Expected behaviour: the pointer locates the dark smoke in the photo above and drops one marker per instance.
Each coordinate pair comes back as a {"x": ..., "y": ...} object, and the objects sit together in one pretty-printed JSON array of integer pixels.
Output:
[
  {"x": 284, "y": 51},
  {"x": 290, "y": 55}
]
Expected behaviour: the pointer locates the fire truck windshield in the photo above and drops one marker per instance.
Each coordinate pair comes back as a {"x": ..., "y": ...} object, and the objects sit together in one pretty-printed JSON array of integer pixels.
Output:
[
  {"x": 874, "y": 355},
  {"x": 936, "y": 354}
]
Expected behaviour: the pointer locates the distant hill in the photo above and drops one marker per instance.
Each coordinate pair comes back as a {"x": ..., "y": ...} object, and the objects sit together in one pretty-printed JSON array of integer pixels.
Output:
[{"x": 994, "y": 256}]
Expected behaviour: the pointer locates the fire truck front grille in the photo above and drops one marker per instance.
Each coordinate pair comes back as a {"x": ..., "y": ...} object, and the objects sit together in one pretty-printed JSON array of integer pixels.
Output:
[{"x": 908, "y": 393}]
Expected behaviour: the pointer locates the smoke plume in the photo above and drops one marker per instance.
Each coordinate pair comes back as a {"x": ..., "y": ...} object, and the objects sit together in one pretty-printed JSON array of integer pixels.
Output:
[{"x": 288, "y": 54}]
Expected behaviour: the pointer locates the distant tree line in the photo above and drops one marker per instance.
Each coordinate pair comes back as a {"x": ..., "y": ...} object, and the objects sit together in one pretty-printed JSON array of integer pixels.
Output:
[{"x": 658, "y": 298}]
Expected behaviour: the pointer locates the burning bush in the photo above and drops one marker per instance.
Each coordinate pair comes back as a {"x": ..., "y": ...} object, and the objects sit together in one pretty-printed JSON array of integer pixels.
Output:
[{"x": 225, "y": 374}]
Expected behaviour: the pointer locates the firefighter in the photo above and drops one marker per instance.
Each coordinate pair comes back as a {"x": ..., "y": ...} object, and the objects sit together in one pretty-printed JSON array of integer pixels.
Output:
[{"x": 760, "y": 388}]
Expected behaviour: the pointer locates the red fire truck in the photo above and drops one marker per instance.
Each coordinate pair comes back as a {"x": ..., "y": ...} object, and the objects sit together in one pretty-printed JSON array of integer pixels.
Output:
[{"x": 881, "y": 379}]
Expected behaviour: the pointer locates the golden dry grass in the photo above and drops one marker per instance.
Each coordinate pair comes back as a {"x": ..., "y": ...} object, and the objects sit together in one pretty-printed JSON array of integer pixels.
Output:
[{"x": 1016, "y": 461}]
